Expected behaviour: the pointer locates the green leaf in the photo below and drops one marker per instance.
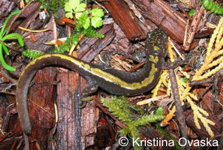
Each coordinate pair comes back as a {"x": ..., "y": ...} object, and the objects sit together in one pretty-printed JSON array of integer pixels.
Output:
[
  {"x": 5, "y": 49},
  {"x": 74, "y": 3},
  {"x": 96, "y": 22},
  {"x": 6, "y": 29},
  {"x": 69, "y": 15},
  {"x": 68, "y": 7},
  {"x": 71, "y": 5},
  {"x": 7, "y": 20},
  {"x": 81, "y": 21},
  {"x": 81, "y": 15},
  {"x": 2, "y": 60},
  {"x": 14, "y": 35},
  {"x": 97, "y": 12},
  {"x": 81, "y": 7},
  {"x": 78, "y": 15}
]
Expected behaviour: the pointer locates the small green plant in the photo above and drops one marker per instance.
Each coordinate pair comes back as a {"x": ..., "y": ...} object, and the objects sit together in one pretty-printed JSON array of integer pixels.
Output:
[
  {"x": 121, "y": 108},
  {"x": 213, "y": 7},
  {"x": 82, "y": 26},
  {"x": 74, "y": 7},
  {"x": 93, "y": 17},
  {"x": 4, "y": 37}
]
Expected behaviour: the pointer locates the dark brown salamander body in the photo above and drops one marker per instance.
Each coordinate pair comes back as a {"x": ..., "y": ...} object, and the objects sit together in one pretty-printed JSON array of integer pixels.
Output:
[{"x": 114, "y": 81}]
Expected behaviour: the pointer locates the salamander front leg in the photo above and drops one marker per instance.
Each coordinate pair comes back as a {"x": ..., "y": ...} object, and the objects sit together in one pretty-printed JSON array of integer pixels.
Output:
[{"x": 91, "y": 89}]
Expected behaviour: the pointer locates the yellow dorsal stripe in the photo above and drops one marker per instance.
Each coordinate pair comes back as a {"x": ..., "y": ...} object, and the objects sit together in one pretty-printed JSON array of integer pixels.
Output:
[{"x": 102, "y": 74}]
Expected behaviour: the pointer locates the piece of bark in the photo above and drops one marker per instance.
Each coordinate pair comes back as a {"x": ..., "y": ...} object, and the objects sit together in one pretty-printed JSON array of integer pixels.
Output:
[
  {"x": 41, "y": 101},
  {"x": 164, "y": 17},
  {"x": 90, "y": 47},
  {"x": 66, "y": 135},
  {"x": 25, "y": 15},
  {"x": 42, "y": 37},
  {"x": 67, "y": 129},
  {"x": 6, "y": 6},
  {"x": 89, "y": 118},
  {"x": 126, "y": 19}
]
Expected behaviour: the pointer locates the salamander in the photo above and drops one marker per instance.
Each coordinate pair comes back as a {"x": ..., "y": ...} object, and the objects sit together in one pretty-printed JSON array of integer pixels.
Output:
[{"x": 111, "y": 80}]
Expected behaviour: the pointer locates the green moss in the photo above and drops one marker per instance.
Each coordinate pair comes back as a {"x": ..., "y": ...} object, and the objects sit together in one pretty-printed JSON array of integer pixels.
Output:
[{"x": 121, "y": 108}]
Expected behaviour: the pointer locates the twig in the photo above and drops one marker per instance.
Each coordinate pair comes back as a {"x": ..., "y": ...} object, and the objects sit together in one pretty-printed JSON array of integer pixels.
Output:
[
  {"x": 179, "y": 110},
  {"x": 201, "y": 82}
]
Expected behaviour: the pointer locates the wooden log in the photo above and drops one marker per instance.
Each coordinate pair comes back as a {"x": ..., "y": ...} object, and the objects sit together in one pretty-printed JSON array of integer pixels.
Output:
[
  {"x": 164, "y": 17},
  {"x": 126, "y": 19}
]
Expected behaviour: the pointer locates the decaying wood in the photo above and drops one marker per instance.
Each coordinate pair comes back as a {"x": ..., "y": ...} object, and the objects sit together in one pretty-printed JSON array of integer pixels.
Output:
[
  {"x": 126, "y": 19},
  {"x": 6, "y": 7},
  {"x": 90, "y": 47},
  {"x": 24, "y": 17},
  {"x": 67, "y": 129},
  {"x": 163, "y": 16},
  {"x": 66, "y": 134},
  {"x": 41, "y": 106},
  {"x": 43, "y": 37}
]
